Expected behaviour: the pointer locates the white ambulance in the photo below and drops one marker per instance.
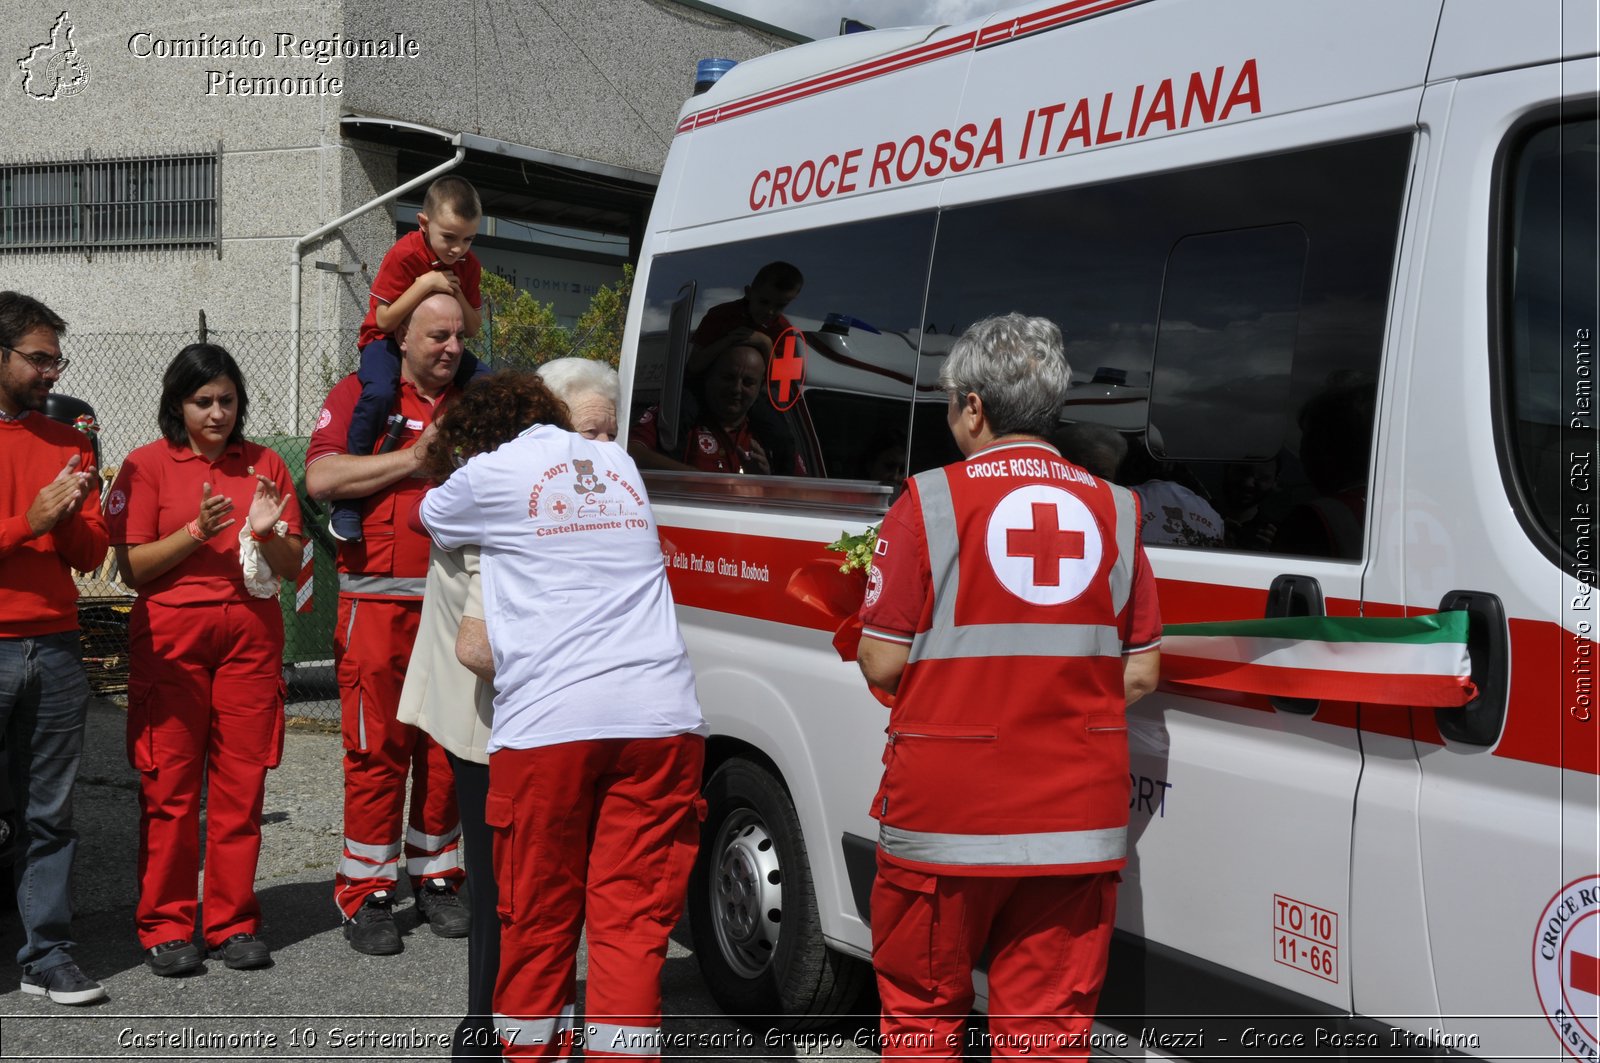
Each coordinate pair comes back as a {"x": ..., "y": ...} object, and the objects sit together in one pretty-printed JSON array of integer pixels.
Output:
[{"x": 1331, "y": 269}]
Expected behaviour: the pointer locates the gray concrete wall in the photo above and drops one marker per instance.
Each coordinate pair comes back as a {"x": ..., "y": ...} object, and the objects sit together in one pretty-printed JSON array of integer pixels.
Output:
[{"x": 600, "y": 80}]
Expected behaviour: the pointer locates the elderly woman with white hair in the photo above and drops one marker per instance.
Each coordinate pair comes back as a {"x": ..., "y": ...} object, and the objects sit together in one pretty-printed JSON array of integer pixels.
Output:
[{"x": 456, "y": 707}]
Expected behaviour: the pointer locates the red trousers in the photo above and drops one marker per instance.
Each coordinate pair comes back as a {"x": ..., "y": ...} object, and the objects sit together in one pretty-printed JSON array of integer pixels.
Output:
[
  {"x": 1047, "y": 937},
  {"x": 205, "y": 709},
  {"x": 600, "y": 832},
  {"x": 372, "y": 646}
]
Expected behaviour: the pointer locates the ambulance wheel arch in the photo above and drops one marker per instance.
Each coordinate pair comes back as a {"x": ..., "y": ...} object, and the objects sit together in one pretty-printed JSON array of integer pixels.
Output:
[{"x": 753, "y": 907}]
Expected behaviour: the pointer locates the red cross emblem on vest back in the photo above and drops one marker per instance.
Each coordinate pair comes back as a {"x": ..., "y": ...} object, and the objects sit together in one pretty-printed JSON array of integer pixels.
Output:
[
  {"x": 1043, "y": 544},
  {"x": 787, "y": 369},
  {"x": 1047, "y": 543}
]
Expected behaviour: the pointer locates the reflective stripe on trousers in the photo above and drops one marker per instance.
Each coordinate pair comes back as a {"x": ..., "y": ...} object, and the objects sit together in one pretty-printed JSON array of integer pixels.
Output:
[{"x": 541, "y": 1031}]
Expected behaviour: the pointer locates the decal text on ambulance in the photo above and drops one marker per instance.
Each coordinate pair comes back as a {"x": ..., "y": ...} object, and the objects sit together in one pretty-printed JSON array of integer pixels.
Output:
[{"x": 1199, "y": 98}]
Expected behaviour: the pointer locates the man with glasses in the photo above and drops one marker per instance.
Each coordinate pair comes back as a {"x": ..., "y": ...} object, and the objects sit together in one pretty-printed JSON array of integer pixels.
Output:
[{"x": 50, "y": 524}]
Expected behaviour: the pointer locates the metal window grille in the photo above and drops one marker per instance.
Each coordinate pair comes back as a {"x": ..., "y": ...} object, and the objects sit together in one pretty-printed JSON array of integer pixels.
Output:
[{"x": 143, "y": 201}]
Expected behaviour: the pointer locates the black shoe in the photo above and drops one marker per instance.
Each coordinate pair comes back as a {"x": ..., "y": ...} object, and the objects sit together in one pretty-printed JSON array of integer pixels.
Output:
[
  {"x": 440, "y": 905},
  {"x": 371, "y": 930},
  {"x": 173, "y": 957},
  {"x": 243, "y": 952},
  {"x": 64, "y": 984},
  {"x": 345, "y": 524}
]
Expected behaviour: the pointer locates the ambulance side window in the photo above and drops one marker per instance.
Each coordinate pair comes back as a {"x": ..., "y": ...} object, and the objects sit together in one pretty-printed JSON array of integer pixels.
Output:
[
  {"x": 1549, "y": 319},
  {"x": 838, "y": 393},
  {"x": 1224, "y": 319}
]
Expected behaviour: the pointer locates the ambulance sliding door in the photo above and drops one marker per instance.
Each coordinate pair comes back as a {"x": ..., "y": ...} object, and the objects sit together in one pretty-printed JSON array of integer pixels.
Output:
[
  {"x": 1226, "y": 323},
  {"x": 1491, "y": 491}
]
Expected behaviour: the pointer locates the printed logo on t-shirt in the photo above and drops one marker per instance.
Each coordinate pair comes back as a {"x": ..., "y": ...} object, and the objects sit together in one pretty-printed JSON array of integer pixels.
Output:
[
  {"x": 587, "y": 482},
  {"x": 116, "y": 502},
  {"x": 324, "y": 419},
  {"x": 1043, "y": 544},
  {"x": 707, "y": 442}
]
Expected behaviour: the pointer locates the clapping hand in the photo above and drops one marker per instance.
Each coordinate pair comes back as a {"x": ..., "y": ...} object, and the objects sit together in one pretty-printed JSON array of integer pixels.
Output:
[
  {"x": 61, "y": 497},
  {"x": 266, "y": 506},
  {"x": 214, "y": 510}
]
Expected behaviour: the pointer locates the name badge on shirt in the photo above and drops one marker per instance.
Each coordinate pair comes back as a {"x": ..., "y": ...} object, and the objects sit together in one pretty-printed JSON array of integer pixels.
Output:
[{"x": 414, "y": 424}]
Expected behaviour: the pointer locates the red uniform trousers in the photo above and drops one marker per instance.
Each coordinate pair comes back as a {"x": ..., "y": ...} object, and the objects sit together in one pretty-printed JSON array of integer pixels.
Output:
[
  {"x": 205, "y": 708},
  {"x": 372, "y": 646},
  {"x": 1047, "y": 936},
  {"x": 603, "y": 832}
]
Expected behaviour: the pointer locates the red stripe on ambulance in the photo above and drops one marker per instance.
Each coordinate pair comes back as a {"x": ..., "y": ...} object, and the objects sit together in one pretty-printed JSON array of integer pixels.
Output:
[
  {"x": 1039, "y": 21},
  {"x": 751, "y": 576}
]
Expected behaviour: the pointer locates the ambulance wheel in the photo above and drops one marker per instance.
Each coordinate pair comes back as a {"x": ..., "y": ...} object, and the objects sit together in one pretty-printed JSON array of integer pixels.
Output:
[{"x": 753, "y": 912}]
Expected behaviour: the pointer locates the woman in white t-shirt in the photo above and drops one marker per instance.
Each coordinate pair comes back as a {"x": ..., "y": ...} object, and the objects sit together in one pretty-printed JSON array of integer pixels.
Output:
[{"x": 597, "y": 742}]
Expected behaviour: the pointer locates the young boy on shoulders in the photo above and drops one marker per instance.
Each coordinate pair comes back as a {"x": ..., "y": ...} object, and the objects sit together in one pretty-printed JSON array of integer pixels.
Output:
[{"x": 437, "y": 257}]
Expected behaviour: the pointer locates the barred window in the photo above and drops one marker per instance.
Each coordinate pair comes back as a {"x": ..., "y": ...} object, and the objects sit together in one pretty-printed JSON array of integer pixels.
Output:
[{"x": 91, "y": 204}]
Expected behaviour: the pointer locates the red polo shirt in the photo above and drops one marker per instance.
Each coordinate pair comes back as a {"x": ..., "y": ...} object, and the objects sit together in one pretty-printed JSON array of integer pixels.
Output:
[
  {"x": 158, "y": 491},
  {"x": 408, "y": 259},
  {"x": 389, "y": 546}
]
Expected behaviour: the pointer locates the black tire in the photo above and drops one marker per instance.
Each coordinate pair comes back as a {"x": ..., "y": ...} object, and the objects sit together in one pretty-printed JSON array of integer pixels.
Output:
[{"x": 753, "y": 912}]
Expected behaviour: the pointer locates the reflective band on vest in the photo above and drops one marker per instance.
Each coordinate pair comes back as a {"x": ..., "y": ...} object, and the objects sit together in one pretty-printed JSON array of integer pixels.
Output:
[
  {"x": 1018, "y": 640},
  {"x": 381, "y": 586},
  {"x": 1005, "y": 850},
  {"x": 944, "y": 640}
]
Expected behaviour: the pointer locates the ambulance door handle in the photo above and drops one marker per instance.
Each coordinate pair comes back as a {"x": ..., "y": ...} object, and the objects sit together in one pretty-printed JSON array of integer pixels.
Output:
[
  {"x": 1479, "y": 721},
  {"x": 1292, "y": 595}
]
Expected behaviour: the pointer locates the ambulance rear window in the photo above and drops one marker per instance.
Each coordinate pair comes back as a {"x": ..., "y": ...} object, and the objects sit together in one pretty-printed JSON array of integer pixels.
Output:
[{"x": 1549, "y": 318}]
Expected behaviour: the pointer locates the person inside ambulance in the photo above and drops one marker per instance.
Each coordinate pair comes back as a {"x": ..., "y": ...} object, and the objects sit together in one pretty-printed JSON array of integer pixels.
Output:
[
  {"x": 597, "y": 743},
  {"x": 1335, "y": 449},
  {"x": 1013, "y": 614},
  {"x": 720, "y": 435},
  {"x": 204, "y": 524}
]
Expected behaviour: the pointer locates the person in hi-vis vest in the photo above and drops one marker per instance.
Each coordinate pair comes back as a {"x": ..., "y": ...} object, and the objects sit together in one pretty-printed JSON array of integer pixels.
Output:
[{"x": 1012, "y": 613}]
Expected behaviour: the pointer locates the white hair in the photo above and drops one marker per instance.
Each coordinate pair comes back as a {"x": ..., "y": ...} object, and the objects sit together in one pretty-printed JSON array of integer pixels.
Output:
[
  {"x": 571, "y": 377},
  {"x": 1016, "y": 366}
]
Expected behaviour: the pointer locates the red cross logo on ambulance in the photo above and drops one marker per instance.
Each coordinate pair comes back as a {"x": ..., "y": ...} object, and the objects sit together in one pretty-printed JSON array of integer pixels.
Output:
[
  {"x": 787, "y": 370},
  {"x": 1043, "y": 544},
  {"x": 1566, "y": 966}
]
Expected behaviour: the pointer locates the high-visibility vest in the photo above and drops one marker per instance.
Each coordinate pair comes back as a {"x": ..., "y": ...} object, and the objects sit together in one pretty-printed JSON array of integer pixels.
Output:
[{"x": 1008, "y": 751}]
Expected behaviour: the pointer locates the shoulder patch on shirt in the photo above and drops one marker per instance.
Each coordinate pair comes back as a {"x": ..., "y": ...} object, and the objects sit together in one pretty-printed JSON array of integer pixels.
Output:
[
  {"x": 116, "y": 502},
  {"x": 874, "y": 584},
  {"x": 324, "y": 419}
]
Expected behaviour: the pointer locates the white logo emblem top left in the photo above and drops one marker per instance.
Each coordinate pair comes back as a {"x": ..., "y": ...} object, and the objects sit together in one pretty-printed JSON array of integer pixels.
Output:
[
  {"x": 54, "y": 69},
  {"x": 1043, "y": 544}
]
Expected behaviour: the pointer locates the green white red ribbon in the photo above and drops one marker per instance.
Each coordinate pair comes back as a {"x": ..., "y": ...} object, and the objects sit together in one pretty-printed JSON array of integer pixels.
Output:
[{"x": 1419, "y": 660}]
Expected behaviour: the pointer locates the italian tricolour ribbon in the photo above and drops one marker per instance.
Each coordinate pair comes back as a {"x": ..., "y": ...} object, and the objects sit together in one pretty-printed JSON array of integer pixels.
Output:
[{"x": 1419, "y": 660}]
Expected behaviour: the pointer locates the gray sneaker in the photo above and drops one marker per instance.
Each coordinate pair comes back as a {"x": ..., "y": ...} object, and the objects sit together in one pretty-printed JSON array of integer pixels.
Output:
[{"x": 64, "y": 984}]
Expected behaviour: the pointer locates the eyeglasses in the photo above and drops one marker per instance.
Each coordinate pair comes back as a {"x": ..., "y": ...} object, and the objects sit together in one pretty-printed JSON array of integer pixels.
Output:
[{"x": 44, "y": 363}]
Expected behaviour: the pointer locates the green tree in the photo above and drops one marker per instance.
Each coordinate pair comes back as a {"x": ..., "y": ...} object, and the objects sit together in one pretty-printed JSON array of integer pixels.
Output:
[
  {"x": 599, "y": 331},
  {"x": 522, "y": 331}
]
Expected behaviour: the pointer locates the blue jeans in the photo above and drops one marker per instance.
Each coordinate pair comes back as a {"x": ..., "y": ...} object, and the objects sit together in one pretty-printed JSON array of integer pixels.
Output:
[{"x": 44, "y": 702}]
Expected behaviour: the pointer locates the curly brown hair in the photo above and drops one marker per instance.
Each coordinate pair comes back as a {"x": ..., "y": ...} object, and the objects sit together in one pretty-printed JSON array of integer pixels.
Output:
[{"x": 494, "y": 409}]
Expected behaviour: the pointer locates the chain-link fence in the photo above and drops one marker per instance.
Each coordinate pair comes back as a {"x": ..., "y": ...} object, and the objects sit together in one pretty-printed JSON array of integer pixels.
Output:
[{"x": 119, "y": 374}]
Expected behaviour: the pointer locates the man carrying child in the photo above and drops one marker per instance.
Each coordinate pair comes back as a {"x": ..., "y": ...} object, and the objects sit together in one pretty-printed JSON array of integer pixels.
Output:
[{"x": 435, "y": 259}]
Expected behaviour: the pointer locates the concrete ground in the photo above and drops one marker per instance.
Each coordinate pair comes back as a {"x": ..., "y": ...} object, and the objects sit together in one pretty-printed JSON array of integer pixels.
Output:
[{"x": 321, "y": 1000}]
